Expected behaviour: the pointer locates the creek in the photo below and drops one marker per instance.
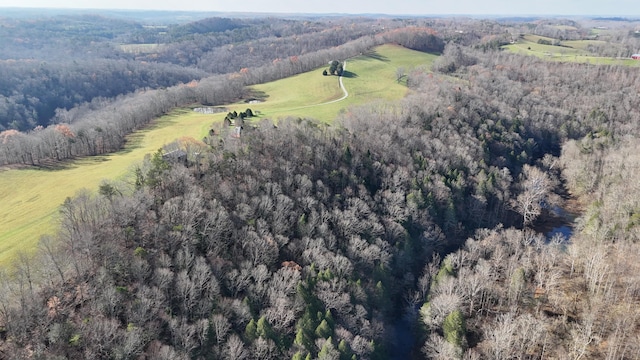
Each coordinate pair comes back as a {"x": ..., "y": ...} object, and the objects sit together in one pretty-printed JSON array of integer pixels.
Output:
[
  {"x": 558, "y": 221},
  {"x": 403, "y": 346},
  {"x": 563, "y": 223}
]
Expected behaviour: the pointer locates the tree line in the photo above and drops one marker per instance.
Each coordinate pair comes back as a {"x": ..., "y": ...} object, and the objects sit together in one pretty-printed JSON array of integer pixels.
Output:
[
  {"x": 32, "y": 91},
  {"x": 64, "y": 61},
  {"x": 100, "y": 126}
]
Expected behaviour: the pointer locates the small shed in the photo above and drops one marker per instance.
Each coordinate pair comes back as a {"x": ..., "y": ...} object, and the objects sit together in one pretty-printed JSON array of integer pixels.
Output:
[
  {"x": 176, "y": 156},
  {"x": 635, "y": 56}
]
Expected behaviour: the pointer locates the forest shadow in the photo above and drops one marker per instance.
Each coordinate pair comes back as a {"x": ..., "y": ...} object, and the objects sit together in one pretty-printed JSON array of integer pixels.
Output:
[
  {"x": 373, "y": 54},
  {"x": 68, "y": 164},
  {"x": 134, "y": 141},
  {"x": 53, "y": 165},
  {"x": 255, "y": 95}
]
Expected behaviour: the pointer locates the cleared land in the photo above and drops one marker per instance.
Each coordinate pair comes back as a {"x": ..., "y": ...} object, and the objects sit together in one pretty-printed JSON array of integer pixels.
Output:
[
  {"x": 566, "y": 51},
  {"x": 31, "y": 197},
  {"x": 368, "y": 77},
  {"x": 141, "y": 48}
]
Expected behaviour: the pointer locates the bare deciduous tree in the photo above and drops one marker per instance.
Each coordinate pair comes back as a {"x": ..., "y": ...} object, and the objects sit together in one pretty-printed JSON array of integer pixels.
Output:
[{"x": 535, "y": 188}]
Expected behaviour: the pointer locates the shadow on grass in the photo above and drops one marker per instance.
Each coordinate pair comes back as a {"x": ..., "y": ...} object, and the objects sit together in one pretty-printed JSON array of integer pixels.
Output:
[
  {"x": 256, "y": 95},
  {"x": 375, "y": 56},
  {"x": 134, "y": 141},
  {"x": 53, "y": 165},
  {"x": 349, "y": 75},
  {"x": 67, "y": 164}
]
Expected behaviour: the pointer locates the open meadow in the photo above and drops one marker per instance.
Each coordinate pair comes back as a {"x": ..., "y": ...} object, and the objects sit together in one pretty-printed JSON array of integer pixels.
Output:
[
  {"x": 371, "y": 76},
  {"x": 565, "y": 51},
  {"x": 31, "y": 196}
]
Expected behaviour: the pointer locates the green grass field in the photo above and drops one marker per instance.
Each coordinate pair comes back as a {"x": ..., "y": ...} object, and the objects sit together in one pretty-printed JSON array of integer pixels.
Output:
[
  {"x": 31, "y": 197},
  {"x": 583, "y": 44},
  {"x": 531, "y": 38},
  {"x": 569, "y": 51},
  {"x": 368, "y": 77}
]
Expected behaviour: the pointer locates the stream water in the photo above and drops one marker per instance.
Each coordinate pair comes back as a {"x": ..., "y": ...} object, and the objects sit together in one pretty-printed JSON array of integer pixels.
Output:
[
  {"x": 402, "y": 347},
  {"x": 554, "y": 221},
  {"x": 564, "y": 230},
  {"x": 557, "y": 221}
]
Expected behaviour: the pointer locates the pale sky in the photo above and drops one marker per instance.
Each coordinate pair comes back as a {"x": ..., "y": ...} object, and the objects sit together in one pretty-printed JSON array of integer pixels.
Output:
[{"x": 407, "y": 7}]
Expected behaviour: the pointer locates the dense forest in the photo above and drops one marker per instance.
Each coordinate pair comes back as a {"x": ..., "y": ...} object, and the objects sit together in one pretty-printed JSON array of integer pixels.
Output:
[{"x": 423, "y": 218}]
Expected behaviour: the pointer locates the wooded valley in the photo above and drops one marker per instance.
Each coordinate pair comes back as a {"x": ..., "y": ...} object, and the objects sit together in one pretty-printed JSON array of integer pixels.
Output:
[{"x": 413, "y": 229}]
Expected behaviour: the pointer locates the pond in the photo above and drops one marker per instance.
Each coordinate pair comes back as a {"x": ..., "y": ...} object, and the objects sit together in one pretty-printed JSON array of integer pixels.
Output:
[
  {"x": 557, "y": 221},
  {"x": 564, "y": 230}
]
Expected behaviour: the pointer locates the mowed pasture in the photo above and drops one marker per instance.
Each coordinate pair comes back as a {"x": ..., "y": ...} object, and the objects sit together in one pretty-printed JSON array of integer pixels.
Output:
[
  {"x": 370, "y": 76},
  {"x": 31, "y": 197},
  {"x": 565, "y": 51}
]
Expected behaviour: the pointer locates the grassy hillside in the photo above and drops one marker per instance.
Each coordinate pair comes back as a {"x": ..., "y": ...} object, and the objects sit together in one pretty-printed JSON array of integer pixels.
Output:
[
  {"x": 31, "y": 197},
  {"x": 367, "y": 77},
  {"x": 567, "y": 51}
]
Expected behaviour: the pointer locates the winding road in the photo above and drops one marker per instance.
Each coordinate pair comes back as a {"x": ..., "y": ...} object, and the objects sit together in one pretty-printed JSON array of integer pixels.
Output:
[{"x": 344, "y": 91}]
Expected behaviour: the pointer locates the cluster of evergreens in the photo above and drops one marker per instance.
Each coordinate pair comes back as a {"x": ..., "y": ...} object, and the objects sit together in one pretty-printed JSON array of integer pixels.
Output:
[
  {"x": 335, "y": 68},
  {"x": 237, "y": 118}
]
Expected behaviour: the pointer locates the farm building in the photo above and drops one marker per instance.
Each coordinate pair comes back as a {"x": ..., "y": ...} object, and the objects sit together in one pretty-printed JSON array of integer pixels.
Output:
[
  {"x": 176, "y": 155},
  {"x": 635, "y": 56}
]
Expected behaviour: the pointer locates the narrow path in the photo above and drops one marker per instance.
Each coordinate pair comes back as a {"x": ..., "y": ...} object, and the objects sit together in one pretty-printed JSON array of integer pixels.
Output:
[{"x": 344, "y": 91}]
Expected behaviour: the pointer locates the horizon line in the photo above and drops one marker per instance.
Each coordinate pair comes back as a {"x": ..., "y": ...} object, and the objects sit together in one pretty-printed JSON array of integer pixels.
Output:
[{"x": 492, "y": 15}]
